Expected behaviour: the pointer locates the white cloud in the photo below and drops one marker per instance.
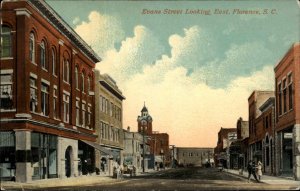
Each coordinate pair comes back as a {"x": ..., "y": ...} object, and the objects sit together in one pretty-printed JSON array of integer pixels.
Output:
[
  {"x": 101, "y": 32},
  {"x": 182, "y": 105}
]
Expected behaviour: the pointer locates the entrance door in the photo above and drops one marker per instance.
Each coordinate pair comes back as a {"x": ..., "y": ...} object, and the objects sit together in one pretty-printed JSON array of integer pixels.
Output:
[{"x": 68, "y": 161}]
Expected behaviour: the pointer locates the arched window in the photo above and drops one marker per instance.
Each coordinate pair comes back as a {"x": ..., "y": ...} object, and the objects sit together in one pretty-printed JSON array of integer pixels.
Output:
[
  {"x": 6, "y": 46},
  {"x": 76, "y": 77},
  {"x": 53, "y": 62},
  {"x": 32, "y": 48},
  {"x": 88, "y": 84},
  {"x": 43, "y": 55},
  {"x": 82, "y": 82},
  {"x": 66, "y": 71}
]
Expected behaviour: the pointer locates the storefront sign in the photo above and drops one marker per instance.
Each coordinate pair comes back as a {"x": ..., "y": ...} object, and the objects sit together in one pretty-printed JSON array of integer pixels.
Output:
[{"x": 288, "y": 135}]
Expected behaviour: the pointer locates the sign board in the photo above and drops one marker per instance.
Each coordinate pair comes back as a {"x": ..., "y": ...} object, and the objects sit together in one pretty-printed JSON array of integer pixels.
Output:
[{"x": 288, "y": 135}]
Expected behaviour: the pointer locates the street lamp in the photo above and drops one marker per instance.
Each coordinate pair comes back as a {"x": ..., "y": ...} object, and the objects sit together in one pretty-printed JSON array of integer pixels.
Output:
[{"x": 144, "y": 124}]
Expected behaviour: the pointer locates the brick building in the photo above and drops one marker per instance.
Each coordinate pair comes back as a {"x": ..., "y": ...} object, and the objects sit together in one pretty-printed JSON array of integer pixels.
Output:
[
  {"x": 159, "y": 142},
  {"x": 287, "y": 88},
  {"x": 257, "y": 132},
  {"x": 47, "y": 99},
  {"x": 109, "y": 123}
]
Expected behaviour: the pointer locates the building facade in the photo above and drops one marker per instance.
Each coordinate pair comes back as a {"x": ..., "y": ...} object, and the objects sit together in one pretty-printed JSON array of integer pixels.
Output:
[
  {"x": 287, "y": 88},
  {"x": 257, "y": 132},
  {"x": 109, "y": 123},
  {"x": 46, "y": 75},
  {"x": 193, "y": 156}
]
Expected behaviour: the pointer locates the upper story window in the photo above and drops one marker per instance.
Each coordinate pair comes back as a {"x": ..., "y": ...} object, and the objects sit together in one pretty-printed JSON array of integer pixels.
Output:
[
  {"x": 284, "y": 95},
  {"x": 76, "y": 78},
  {"x": 82, "y": 82},
  {"x": 43, "y": 55},
  {"x": 6, "y": 101},
  {"x": 77, "y": 112},
  {"x": 55, "y": 101},
  {"x": 33, "y": 95},
  {"x": 6, "y": 42},
  {"x": 53, "y": 55},
  {"x": 279, "y": 99},
  {"x": 290, "y": 89},
  {"x": 32, "y": 48},
  {"x": 88, "y": 84},
  {"x": 66, "y": 69},
  {"x": 66, "y": 106},
  {"x": 45, "y": 99}
]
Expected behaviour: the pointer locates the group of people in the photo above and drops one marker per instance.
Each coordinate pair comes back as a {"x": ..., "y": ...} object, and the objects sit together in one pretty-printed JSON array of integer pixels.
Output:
[{"x": 255, "y": 170}]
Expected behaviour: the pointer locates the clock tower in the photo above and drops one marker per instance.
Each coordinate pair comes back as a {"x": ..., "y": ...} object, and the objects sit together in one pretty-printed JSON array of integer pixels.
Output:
[{"x": 145, "y": 121}]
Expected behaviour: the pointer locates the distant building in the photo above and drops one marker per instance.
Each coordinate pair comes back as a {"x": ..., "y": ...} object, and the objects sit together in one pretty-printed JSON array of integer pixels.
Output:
[
  {"x": 225, "y": 137},
  {"x": 194, "y": 156},
  {"x": 47, "y": 98},
  {"x": 109, "y": 125},
  {"x": 133, "y": 150},
  {"x": 287, "y": 88},
  {"x": 159, "y": 142}
]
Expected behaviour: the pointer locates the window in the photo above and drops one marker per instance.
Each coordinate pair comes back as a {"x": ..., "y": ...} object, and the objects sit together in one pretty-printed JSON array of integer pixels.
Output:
[
  {"x": 32, "y": 48},
  {"x": 66, "y": 69},
  {"x": 290, "y": 89},
  {"x": 88, "y": 85},
  {"x": 43, "y": 55},
  {"x": 82, "y": 82},
  {"x": 89, "y": 116},
  {"x": 76, "y": 78},
  {"x": 106, "y": 106},
  {"x": 54, "y": 63},
  {"x": 83, "y": 115},
  {"x": 66, "y": 104},
  {"x": 284, "y": 95},
  {"x": 45, "y": 99},
  {"x": 55, "y": 103},
  {"x": 33, "y": 95},
  {"x": 111, "y": 109},
  {"x": 101, "y": 130},
  {"x": 6, "y": 45},
  {"x": 6, "y": 101},
  {"x": 279, "y": 99},
  {"x": 77, "y": 113}
]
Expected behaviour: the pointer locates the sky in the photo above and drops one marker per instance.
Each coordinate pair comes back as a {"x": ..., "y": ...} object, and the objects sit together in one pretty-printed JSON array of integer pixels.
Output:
[{"x": 194, "y": 72}]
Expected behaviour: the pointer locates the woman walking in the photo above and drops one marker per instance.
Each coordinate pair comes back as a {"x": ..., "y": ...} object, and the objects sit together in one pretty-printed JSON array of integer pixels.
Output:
[{"x": 259, "y": 170}]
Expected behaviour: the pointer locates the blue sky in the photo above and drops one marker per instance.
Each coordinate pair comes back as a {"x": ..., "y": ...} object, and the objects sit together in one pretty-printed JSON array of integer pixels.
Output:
[{"x": 181, "y": 65}]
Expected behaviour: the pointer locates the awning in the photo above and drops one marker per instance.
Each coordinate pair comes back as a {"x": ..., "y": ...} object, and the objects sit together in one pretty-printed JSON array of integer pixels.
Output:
[
  {"x": 158, "y": 159},
  {"x": 99, "y": 147}
]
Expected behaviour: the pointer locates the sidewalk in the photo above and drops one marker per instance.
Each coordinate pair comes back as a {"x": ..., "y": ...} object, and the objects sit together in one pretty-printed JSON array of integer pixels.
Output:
[
  {"x": 58, "y": 182},
  {"x": 266, "y": 178}
]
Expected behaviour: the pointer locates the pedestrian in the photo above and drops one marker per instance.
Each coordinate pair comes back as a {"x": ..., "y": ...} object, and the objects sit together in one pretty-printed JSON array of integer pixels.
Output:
[
  {"x": 251, "y": 170},
  {"x": 259, "y": 170}
]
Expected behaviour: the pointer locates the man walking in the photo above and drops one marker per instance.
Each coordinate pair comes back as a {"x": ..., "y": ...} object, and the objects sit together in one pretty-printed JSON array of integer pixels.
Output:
[{"x": 251, "y": 170}]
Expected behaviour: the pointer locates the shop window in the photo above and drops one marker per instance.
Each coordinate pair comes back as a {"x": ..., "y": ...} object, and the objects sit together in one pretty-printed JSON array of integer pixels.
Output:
[{"x": 6, "y": 45}]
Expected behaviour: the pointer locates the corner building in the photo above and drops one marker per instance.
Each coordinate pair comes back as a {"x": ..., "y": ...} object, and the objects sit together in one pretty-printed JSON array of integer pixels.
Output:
[
  {"x": 47, "y": 95},
  {"x": 287, "y": 88}
]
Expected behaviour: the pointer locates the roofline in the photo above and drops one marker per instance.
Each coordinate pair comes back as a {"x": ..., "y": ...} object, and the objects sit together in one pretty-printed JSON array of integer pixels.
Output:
[
  {"x": 64, "y": 28},
  {"x": 268, "y": 102},
  {"x": 112, "y": 89},
  {"x": 283, "y": 58},
  {"x": 260, "y": 91}
]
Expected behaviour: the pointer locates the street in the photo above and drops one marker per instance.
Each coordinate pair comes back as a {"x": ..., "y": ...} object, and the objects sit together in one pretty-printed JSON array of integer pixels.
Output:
[{"x": 171, "y": 179}]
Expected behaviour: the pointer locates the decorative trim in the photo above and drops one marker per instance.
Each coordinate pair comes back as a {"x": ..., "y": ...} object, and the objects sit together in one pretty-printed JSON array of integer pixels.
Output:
[
  {"x": 83, "y": 101},
  {"x": 65, "y": 92},
  {"x": 7, "y": 71},
  {"x": 33, "y": 75},
  {"x": 23, "y": 11},
  {"x": 7, "y": 58},
  {"x": 45, "y": 81},
  {"x": 91, "y": 93},
  {"x": 61, "y": 42},
  {"x": 7, "y": 110},
  {"x": 77, "y": 98},
  {"x": 23, "y": 115},
  {"x": 55, "y": 87},
  {"x": 74, "y": 51}
]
